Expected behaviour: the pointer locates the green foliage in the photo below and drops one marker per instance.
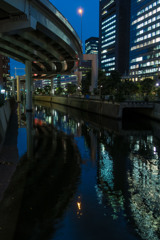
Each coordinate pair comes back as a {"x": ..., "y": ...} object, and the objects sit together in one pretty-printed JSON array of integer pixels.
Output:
[
  {"x": 86, "y": 83},
  {"x": 101, "y": 77},
  {"x": 114, "y": 86},
  {"x": 119, "y": 89},
  {"x": 158, "y": 91},
  {"x": 95, "y": 91},
  {"x": 58, "y": 91},
  {"x": 38, "y": 91},
  {"x": 147, "y": 86},
  {"x": 110, "y": 84},
  {"x": 126, "y": 88},
  {"x": 71, "y": 88},
  {"x": 47, "y": 89}
]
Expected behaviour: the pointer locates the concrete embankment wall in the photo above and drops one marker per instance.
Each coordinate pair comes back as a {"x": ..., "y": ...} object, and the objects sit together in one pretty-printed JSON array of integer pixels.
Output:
[
  {"x": 5, "y": 113},
  {"x": 98, "y": 107},
  {"x": 155, "y": 114},
  {"x": 112, "y": 110},
  {"x": 151, "y": 113}
]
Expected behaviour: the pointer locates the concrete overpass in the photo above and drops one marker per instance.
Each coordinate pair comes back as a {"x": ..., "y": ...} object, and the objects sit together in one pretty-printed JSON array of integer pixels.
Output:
[{"x": 35, "y": 33}]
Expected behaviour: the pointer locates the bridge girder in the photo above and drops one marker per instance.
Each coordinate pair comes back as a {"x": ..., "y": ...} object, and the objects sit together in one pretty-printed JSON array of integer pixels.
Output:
[{"x": 35, "y": 31}]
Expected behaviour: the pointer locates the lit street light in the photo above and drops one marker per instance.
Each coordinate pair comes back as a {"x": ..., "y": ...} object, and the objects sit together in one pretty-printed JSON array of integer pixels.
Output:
[
  {"x": 100, "y": 90},
  {"x": 80, "y": 11}
]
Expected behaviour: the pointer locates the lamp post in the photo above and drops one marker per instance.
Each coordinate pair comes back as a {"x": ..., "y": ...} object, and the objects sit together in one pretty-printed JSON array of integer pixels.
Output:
[
  {"x": 80, "y": 11},
  {"x": 100, "y": 91},
  {"x": 18, "y": 85}
]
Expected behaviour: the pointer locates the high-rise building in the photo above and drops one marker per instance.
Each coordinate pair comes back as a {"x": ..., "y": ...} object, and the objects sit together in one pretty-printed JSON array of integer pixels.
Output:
[
  {"x": 92, "y": 45},
  {"x": 4, "y": 70},
  {"x": 145, "y": 39},
  {"x": 114, "y": 35},
  {"x": 87, "y": 64}
]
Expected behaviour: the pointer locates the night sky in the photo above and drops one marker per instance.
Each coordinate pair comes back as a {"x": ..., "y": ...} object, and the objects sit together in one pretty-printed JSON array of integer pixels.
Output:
[{"x": 90, "y": 22}]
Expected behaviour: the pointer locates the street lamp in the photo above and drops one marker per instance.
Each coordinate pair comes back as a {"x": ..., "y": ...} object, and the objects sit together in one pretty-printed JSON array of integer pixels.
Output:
[
  {"x": 80, "y": 11},
  {"x": 100, "y": 90}
]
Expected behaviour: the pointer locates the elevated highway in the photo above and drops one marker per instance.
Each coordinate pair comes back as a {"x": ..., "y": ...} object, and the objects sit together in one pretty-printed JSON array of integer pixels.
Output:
[{"x": 35, "y": 33}]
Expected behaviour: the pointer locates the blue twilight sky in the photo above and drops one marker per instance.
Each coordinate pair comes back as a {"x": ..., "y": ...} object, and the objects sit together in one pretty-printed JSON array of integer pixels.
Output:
[{"x": 90, "y": 22}]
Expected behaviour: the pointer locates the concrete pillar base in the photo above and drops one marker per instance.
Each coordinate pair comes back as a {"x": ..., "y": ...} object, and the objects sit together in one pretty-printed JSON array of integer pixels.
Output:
[{"x": 29, "y": 85}]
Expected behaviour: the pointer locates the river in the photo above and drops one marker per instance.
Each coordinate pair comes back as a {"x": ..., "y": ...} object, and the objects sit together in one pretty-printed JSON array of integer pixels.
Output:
[{"x": 81, "y": 176}]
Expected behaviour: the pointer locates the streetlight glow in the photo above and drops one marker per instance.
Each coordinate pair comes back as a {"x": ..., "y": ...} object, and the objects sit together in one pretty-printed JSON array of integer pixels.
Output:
[{"x": 80, "y": 11}]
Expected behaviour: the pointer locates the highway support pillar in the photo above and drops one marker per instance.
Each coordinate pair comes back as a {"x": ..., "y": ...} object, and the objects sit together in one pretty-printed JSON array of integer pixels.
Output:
[
  {"x": 29, "y": 85},
  {"x": 18, "y": 90},
  {"x": 13, "y": 87},
  {"x": 52, "y": 86}
]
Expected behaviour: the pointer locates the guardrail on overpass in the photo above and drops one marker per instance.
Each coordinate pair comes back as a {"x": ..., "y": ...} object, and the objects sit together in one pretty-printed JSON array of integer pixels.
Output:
[{"x": 36, "y": 31}]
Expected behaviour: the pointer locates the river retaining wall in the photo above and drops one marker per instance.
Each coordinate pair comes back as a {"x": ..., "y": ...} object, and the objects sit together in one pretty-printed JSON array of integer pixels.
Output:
[
  {"x": 112, "y": 110},
  {"x": 108, "y": 109},
  {"x": 5, "y": 113}
]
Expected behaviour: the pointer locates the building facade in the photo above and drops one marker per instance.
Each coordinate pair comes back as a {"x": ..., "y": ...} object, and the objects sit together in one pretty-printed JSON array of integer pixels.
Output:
[
  {"x": 4, "y": 70},
  {"x": 114, "y": 36},
  {"x": 89, "y": 63},
  {"x": 145, "y": 39},
  {"x": 92, "y": 45}
]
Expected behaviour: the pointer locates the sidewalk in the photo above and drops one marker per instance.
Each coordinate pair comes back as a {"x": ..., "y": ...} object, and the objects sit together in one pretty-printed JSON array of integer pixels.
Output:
[{"x": 9, "y": 152}]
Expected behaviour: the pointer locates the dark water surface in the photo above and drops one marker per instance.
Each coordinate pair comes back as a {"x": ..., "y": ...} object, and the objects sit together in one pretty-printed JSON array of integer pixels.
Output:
[{"x": 81, "y": 176}]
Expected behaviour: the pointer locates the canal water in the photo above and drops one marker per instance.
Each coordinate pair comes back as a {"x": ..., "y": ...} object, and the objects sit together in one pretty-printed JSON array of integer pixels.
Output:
[{"x": 70, "y": 175}]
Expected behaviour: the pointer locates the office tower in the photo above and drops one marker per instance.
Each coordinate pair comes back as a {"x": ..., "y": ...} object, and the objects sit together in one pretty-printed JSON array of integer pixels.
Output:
[
  {"x": 145, "y": 39},
  {"x": 91, "y": 45},
  {"x": 4, "y": 70},
  {"x": 114, "y": 35}
]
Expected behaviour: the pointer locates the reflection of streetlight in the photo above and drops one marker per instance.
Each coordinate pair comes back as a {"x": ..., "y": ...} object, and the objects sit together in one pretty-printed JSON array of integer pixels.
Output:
[
  {"x": 79, "y": 207},
  {"x": 80, "y": 11}
]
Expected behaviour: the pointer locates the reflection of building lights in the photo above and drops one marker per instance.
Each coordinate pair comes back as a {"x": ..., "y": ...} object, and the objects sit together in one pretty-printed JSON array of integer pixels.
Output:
[
  {"x": 79, "y": 206},
  {"x": 50, "y": 119}
]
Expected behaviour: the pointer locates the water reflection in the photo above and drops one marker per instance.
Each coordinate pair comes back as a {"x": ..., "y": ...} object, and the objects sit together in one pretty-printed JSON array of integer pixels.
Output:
[
  {"x": 85, "y": 170},
  {"x": 127, "y": 167},
  {"x": 144, "y": 186},
  {"x": 42, "y": 185}
]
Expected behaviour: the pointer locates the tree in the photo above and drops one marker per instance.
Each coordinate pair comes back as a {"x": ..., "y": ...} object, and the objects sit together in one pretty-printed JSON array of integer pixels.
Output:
[
  {"x": 147, "y": 86},
  {"x": 71, "y": 88},
  {"x": 113, "y": 83},
  {"x": 110, "y": 84},
  {"x": 58, "y": 91},
  {"x": 129, "y": 87},
  {"x": 86, "y": 83},
  {"x": 47, "y": 89},
  {"x": 101, "y": 77},
  {"x": 158, "y": 91},
  {"x": 102, "y": 81}
]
